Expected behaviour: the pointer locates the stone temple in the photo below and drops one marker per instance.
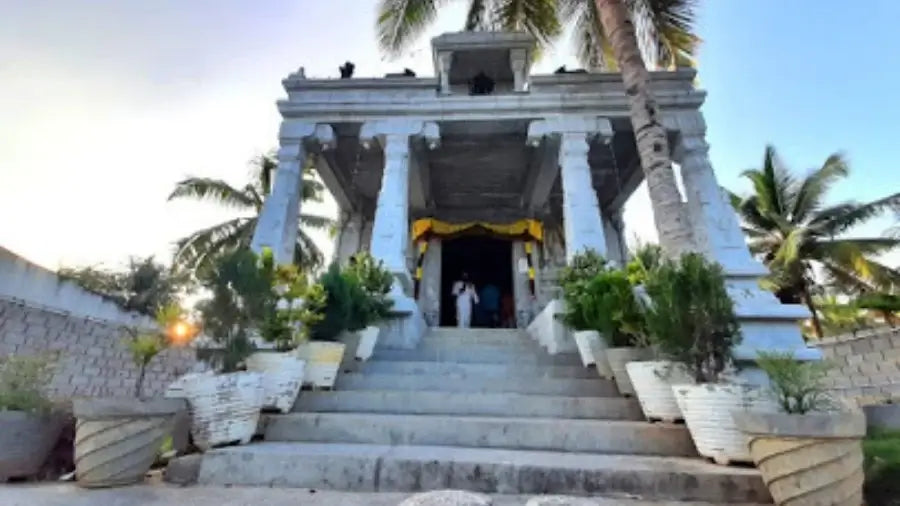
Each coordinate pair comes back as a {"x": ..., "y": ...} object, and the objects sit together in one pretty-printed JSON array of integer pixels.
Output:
[{"x": 490, "y": 169}]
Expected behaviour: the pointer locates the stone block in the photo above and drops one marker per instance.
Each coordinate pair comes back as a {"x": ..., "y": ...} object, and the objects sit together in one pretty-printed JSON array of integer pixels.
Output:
[
  {"x": 838, "y": 350},
  {"x": 873, "y": 357},
  {"x": 854, "y": 359},
  {"x": 881, "y": 343},
  {"x": 183, "y": 470}
]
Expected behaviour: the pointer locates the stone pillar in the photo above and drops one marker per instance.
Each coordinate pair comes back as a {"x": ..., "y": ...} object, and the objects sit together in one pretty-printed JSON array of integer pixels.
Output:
[
  {"x": 582, "y": 221},
  {"x": 765, "y": 322},
  {"x": 430, "y": 285},
  {"x": 518, "y": 61},
  {"x": 615, "y": 244},
  {"x": 349, "y": 239},
  {"x": 445, "y": 58},
  {"x": 279, "y": 218},
  {"x": 618, "y": 225},
  {"x": 390, "y": 232}
]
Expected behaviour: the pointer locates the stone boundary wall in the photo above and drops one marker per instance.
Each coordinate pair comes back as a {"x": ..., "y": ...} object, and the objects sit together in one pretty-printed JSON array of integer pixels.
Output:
[
  {"x": 866, "y": 364},
  {"x": 39, "y": 313}
]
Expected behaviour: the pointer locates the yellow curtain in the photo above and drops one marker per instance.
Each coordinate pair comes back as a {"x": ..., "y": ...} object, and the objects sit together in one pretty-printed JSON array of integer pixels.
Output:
[{"x": 528, "y": 228}]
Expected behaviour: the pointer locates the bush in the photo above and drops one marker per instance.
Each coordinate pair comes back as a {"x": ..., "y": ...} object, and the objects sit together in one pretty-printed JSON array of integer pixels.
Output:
[
  {"x": 375, "y": 281},
  {"x": 606, "y": 303},
  {"x": 691, "y": 317},
  {"x": 344, "y": 300},
  {"x": 22, "y": 379},
  {"x": 573, "y": 280},
  {"x": 882, "y": 468},
  {"x": 798, "y": 387},
  {"x": 292, "y": 305}
]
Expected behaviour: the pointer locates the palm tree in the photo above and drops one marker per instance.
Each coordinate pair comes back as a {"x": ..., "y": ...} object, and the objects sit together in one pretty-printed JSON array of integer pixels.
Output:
[
  {"x": 604, "y": 29},
  {"x": 199, "y": 250},
  {"x": 793, "y": 232}
]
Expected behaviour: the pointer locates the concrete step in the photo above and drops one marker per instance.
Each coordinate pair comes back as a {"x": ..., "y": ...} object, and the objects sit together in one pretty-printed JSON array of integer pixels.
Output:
[
  {"x": 512, "y": 337},
  {"x": 478, "y": 355},
  {"x": 587, "y": 436},
  {"x": 385, "y": 468},
  {"x": 523, "y": 371},
  {"x": 469, "y": 404},
  {"x": 596, "y": 387}
]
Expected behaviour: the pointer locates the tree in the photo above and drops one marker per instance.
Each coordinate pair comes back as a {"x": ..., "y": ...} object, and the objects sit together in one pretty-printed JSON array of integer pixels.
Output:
[
  {"x": 794, "y": 232},
  {"x": 144, "y": 286},
  {"x": 198, "y": 251},
  {"x": 606, "y": 26}
]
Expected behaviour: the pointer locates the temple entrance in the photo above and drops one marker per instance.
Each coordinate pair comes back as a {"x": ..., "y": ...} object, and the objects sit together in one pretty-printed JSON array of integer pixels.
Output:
[{"x": 488, "y": 261}]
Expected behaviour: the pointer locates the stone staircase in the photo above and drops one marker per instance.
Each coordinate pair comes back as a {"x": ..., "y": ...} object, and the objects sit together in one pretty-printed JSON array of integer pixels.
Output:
[{"x": 481, "y": 410}]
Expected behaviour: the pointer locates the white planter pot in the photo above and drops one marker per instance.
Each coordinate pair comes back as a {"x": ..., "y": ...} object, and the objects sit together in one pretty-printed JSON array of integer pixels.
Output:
[
  {"x": 617, "y": 358},
  {"x": 282, "y": 377},
  {"x": 367, "y": 339},
  {"x": 708, "y": 409},
  {"x": 652, "y": 382},
  {"x": 224, "y": 408},
  {"x": 323, "y": 359}
]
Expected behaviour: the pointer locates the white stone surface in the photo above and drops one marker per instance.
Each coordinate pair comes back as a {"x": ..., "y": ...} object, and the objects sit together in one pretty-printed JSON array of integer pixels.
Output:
[{"x": 448, "y": 498}]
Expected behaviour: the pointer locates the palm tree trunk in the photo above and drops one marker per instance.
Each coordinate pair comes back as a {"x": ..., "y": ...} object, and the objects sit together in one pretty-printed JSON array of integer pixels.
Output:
[
  {"x": 669, "y": 213},
  {"x": 807, "y": 298}
]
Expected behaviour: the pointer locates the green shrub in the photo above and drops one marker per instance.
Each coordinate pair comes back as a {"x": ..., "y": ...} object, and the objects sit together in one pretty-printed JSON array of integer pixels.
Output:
[
  {"x": 22, "y": 379},
  {"x": 292, "y": 305},
  {"x": 691, "y": 318},
  {"x": 882, "y": 468},
  {"x": 644, "y": 259},
  {"x": 798, "y": 387},
  {"x": 375, "y": 280},
  {"x": 607, "y": 304},
  {"x": 344, "y": 299},
  {"x": 573, "y": 281}
]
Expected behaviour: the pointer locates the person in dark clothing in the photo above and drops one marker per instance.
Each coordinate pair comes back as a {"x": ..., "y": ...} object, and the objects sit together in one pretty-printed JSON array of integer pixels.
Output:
[{"x": 490, "y": 304}]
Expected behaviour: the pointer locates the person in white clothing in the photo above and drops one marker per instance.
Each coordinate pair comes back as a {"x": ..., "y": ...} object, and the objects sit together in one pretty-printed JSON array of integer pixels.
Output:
[{"x": 466, "y": 296}]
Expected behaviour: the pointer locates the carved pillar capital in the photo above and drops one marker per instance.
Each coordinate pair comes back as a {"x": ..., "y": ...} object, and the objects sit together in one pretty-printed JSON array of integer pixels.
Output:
[
  {"x": 518, "y": 61},
  {"x": 587, "y": 126}
]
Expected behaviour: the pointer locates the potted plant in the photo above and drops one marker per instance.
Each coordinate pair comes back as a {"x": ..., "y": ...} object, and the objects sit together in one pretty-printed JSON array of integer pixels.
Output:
[
  {"x": 692, "y": 321},
  {"x": 810, "y": 452},
  {"x": 117, "y": 439},
  {"x": 29, "y": 426},
  {"x": 225, "y": 407},
  {"x": 375, "y": 281},
  {"x": 579, "y": 315},
  {"x": 289, "y": 308}
]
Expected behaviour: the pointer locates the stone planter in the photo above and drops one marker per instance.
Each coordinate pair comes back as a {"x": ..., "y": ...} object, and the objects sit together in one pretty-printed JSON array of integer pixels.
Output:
[
  {"x": 809, "y": 459},
  {"x": 224, "y": 407},
  {"x": 367, "y": 339},
  {"x": 283, "y": 376},
  {"x": 26, "y": 440},
  {"x": 707, "y": 410},
  {"x": 116, "y": 440},
  {"x": 652, "y": 382},
  {"x": 585, "y": 342},
  {"x": 883, "y": 416},
  {"x": 617, "y": 358},
  {"x": 323, "y": 360}
]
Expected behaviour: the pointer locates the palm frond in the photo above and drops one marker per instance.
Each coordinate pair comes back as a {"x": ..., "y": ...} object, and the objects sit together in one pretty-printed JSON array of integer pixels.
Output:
[
  {"x": 315, "y": 221},
  {"x": 537, "y": 17},
  {"x": 672, "y": 22},
  {"x": 837, "y": 219},
  {"x": 214, "y": 190},
  {"x": 592, "y": 47},
  {"x": 400, "y": 22},
  {"x": 191, "y": 250},
  {"x": 812, "y": 189},
  {"x": 307, "y": 254}
]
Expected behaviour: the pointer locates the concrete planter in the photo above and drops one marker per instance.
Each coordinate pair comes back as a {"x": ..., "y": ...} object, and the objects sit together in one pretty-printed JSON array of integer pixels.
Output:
[
  {"x": 26, "y": 440},
  {"x": 283, "y": 376},
  {"x": 707, "y": 410},
  {"x": 323, "y": 360},
  {"x": 368, "y": 337},
  {"x": 116, "y": 440},
  {"x": 883, "y": 416},
  {"x": 652, "y": 382},
  {"x": 808, "y": 459},
  {"x": 618, "y": 358},
  {"x": 224, "y": 407},
  {"x": 585, "y": 342}
]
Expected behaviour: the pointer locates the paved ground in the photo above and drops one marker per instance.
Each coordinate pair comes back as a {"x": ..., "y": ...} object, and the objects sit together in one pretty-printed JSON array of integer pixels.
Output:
[{"x": 163, "y": 495}]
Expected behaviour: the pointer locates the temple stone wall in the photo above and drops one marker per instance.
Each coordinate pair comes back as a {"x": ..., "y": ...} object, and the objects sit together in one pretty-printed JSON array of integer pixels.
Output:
[
  {"x": 39, "y": 313},
  {"x": 866, "y": 365}
]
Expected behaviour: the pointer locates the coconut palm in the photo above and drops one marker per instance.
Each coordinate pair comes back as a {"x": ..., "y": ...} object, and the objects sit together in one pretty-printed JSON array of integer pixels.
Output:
[
  {"x": 199, "y": 250},
  {"x": 794, "y": 233},
  {"x": 605, "y": 31}
]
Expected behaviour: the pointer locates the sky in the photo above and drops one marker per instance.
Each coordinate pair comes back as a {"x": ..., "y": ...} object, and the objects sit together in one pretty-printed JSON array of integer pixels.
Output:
[{"x": 106, "y": 104}]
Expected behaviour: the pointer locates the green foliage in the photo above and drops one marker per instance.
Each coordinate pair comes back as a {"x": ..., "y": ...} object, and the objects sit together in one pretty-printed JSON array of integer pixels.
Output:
[
  {"x": 240, "y": 297},
  {"x": 838, "y": 317},
  {"x": 691, "y": 318},
  {"x": 22, "y": 379},
  {"x": 798, "y": 387},
  {"x": 882, "y": 468},
  {"x": 143, "y": 286},
  {"x": 199, "y": 251},
  {"x": 375, "y": 280},
  {"x": 144, "y": 345},
  {"x": 584, "y": 266},
  {"x": 292, "y": 305},
  {"x": 879, "y": 302},
  {"x": 344, "y": 295},
  {"x": 644, "y": 259}
]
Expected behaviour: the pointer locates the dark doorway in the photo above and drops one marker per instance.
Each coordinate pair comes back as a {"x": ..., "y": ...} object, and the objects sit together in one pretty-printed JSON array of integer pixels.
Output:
[{"x": 488, "y": 261}]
